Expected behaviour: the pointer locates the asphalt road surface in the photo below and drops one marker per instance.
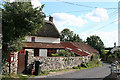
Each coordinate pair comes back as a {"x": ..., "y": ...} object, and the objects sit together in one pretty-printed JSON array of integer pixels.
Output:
[{"x": 97, "y": 72}]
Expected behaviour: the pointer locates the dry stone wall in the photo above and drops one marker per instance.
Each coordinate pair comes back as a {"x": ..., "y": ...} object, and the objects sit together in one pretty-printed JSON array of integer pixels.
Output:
[
  {"x": 13, "y": 65},
  {"x": 54, "y": 63},
  {"x": 49, "y": 63}
]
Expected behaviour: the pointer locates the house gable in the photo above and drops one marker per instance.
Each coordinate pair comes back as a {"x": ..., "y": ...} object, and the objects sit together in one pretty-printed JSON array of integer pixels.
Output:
[{"x": 46, "y": 34}]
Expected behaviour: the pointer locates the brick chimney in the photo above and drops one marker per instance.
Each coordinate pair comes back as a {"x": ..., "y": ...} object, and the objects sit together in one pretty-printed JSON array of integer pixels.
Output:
[{"x": 51, "y": 18}]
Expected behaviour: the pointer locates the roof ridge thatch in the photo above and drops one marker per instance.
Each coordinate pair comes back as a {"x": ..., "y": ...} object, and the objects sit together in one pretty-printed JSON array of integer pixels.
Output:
[{"x": 48, "y": 30}]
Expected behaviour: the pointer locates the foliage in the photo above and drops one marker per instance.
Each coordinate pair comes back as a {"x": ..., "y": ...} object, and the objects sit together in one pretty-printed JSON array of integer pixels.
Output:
[
  {"x": 96, "y": 43},
  {"x": 94, "y": 62},
  {"x": 64, "y": 53},
  {"x": 18, "y": 20},
  {"x": 67, "y": 35},
  {"x": 14, "y": 77},
  {"x": 110, "y": 56},
  {"x": 52, "y": 70},
  {"x": 55, "y": 55},
  {"x": 84, "y": 65},
  {"x": 44, "y": 73},
  {"x": 76, "y": 67},
  {"x": 117, "y": 53}
]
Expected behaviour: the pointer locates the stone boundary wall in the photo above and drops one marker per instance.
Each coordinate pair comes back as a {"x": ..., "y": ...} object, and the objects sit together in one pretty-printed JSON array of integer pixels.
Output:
[
  {"x": 49, "y": 63},
  {"x": 13, "y": 65},
  {"x": 54, "y": 63}
]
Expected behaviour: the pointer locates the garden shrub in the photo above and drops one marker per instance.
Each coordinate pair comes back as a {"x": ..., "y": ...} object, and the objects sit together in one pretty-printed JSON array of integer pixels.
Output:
[
  {"x": 64, "y": 53},
  {"x": 84, "y": 65}
]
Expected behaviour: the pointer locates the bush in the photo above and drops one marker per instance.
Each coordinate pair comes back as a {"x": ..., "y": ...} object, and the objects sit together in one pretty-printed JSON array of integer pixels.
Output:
[
  {"x": 84, "y": 65},
  {"x": 44, "y": 72},
  {"x": 55, "y": 55},
  {"x": 76, "y": 67},
  {"x": 64, "y": 53},
  {"x": 52, "y": 70}
]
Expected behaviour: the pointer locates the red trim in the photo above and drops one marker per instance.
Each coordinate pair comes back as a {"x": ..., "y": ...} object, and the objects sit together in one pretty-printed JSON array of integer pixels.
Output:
[
  {"x": 22, "y": 52},
  {"x": 11, "y": 57}
]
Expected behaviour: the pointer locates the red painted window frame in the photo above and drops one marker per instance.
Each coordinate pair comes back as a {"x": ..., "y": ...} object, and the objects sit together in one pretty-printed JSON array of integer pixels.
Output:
[{"x": 12, "y": 55}]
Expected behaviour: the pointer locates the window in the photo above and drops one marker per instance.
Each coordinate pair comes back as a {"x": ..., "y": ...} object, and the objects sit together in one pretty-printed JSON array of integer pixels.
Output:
[
  {"x": 33, "y": 39},
  {"x": 36, "y": 52},
  {"x": 51, "y": 51}
]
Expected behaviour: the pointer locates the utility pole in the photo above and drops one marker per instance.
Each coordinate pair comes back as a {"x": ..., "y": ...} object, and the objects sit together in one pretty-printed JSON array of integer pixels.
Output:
[{"x": 119, "y": 23}]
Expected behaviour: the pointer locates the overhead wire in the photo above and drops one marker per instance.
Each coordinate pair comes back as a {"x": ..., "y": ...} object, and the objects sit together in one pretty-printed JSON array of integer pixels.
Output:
[
  {"x": 102, "y": 27},
  {"x": 109, "y": 23},
  {"x": 89, "y": 10},
  {"x": 112, "y": 14},
  {"x": 83, "y": 5}
]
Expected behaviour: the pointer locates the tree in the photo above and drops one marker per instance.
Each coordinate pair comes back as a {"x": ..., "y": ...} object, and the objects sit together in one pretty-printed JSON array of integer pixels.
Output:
[
  {"x": 76, "y": 38},
  {"x": 67, "y": 35},
  {"x": 96, "y": 43},
  {"x": 19, "y": 20}
]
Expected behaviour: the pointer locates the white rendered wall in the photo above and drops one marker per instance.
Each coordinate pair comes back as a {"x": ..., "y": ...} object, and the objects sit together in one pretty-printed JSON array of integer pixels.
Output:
[
  {"x": 43, "y": 52},
  {"x": 30, "y": 50},
  {"x": 43, "y": 39}
]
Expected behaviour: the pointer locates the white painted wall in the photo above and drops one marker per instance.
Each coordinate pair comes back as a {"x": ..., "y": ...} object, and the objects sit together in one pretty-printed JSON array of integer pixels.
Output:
[
  {"x": 43, "y": 39},
  {"x": 43, "y": 52},
  {"x": 30, "y": 50}
]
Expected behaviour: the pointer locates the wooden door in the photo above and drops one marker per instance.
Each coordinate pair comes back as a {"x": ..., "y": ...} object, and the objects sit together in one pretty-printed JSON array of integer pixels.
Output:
[{"x": 21, "y": 62}]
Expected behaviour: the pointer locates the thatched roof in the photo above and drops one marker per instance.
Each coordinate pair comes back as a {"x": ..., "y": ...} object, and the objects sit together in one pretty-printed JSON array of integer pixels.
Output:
[{"x": 48, "y": 30}]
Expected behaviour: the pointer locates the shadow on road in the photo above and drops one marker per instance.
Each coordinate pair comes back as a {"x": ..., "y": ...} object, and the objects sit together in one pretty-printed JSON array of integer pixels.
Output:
[{"x": 112, "y": 77}]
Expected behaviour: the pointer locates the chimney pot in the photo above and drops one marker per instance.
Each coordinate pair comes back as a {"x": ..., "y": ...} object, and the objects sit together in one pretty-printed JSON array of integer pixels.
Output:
[
  {"x": 51, "y": 18},
  {"x": 115, "y": 44}
]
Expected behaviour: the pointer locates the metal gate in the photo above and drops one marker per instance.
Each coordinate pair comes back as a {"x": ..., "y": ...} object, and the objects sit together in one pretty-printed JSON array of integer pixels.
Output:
[{"x": 21, "y": 61}]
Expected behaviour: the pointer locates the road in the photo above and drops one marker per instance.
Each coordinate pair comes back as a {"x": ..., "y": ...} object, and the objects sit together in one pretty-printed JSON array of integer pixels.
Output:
[{"x": 97, "y": 72}]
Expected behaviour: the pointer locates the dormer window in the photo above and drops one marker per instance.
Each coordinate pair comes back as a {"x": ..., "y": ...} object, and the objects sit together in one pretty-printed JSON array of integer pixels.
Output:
[{"x": 33, "y": 39}]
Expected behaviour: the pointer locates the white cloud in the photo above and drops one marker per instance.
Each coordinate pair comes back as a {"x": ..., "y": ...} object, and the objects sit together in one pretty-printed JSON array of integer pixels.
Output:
[
  {"x": 98, "y": 15},
  {"x": 35, "y": 3},
  {"x": 107, "y": 37},
  {"x": 61, "y": 19}
]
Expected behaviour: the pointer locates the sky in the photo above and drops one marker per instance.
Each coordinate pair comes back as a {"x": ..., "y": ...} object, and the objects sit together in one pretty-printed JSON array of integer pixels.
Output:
[{"x": 84, "y": 17}]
